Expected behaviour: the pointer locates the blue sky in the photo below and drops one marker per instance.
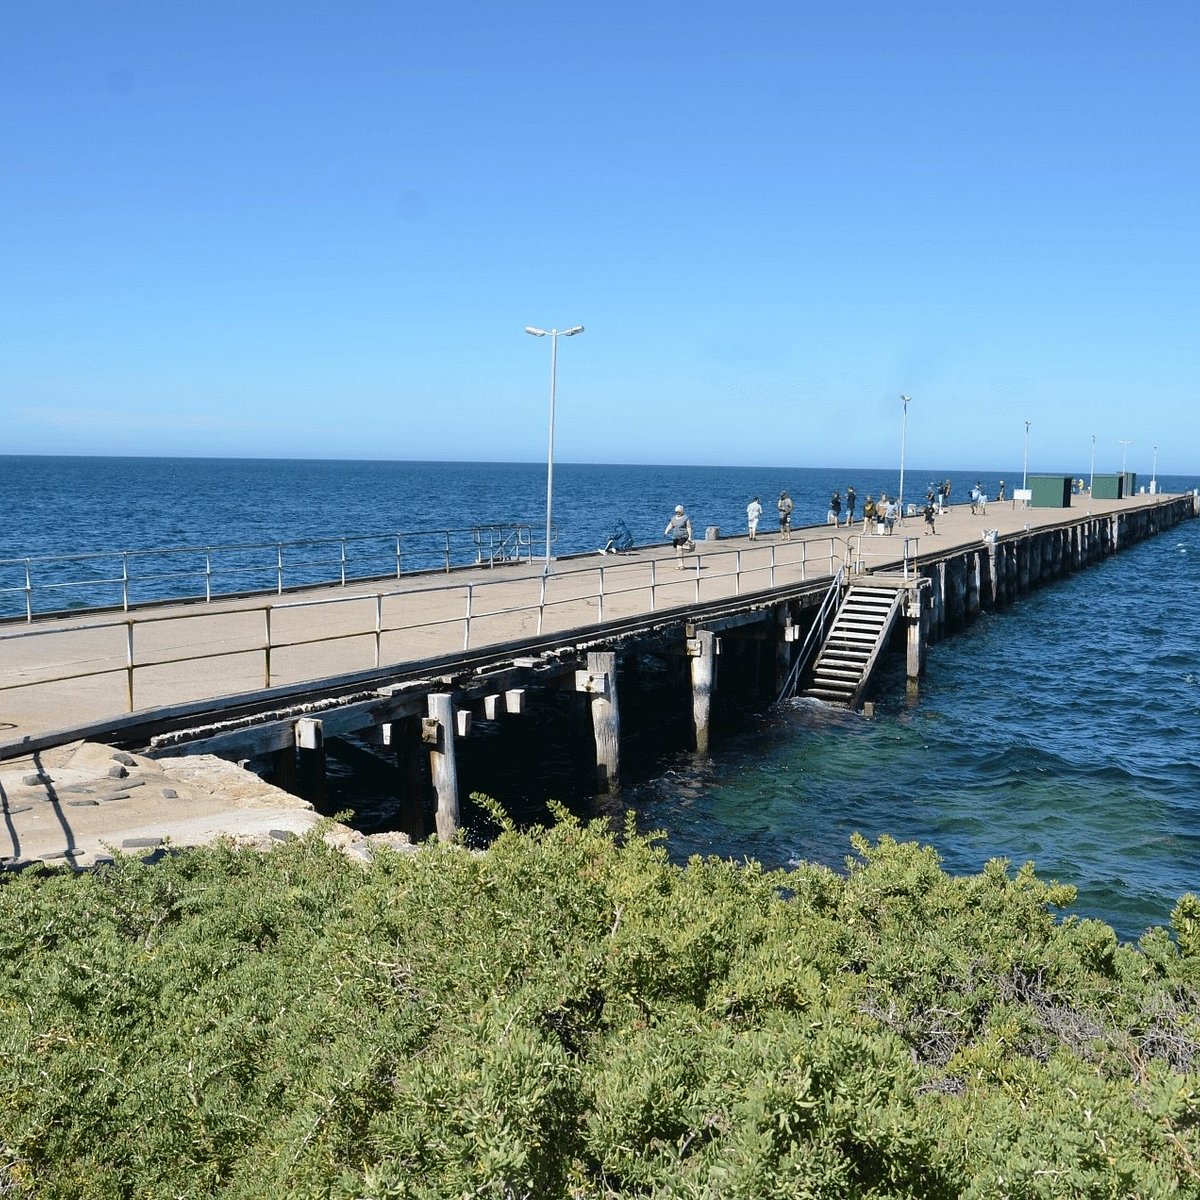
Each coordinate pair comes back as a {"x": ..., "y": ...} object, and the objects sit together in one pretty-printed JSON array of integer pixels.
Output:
[{"x": 319, "y": 230}]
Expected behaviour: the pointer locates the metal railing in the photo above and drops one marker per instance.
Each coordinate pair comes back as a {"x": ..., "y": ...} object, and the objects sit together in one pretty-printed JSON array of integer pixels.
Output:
[
  {"x": 716, "y": 575},
  {"x": 817, "y": 632},
  {"x": 126, "y": 578}
]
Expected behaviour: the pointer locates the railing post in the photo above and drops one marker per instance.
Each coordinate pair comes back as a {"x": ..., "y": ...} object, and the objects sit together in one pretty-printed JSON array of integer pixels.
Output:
[
  {"x": 279, "y": 568},
  {"x": 773, "y": 564},
  {"x": 467, "y": 628},
  {"x": 378, "y": 629},
  {"x": 541, "y": 604},
  {"x": 697, "y": 579},
  {"x": 653, "y": 582},
  {"x": 129, "y": 662},
  {"x": 208, "y": 574},
  {"x": 397, "y": 556},
  {"x": 343, "y": 545},
  {"x": 267, "y": 648},
  {"x": 447, "y": 552},
  {"x": 125, "y": 582},
  {"x": 28, "y": 592},
  {"x": 737, "y": 572},
  {"x": 600, "y": 616}
]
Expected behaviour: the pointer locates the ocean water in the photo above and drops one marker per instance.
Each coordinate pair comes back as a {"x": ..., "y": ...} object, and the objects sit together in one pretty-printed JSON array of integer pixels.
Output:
[
  {"x": 76, "y": 505},
  {"x": 1063, "y": 730}
]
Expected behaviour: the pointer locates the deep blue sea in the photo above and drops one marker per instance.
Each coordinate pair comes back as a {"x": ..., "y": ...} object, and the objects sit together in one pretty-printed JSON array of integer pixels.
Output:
[{"x": 1064, "y": 730}]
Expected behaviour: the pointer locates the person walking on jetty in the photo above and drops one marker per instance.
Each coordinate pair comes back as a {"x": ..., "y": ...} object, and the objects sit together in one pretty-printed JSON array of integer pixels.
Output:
[
  {"x": 869, "y": 516},
  {"x": 753, "y": 513},
  {"x": 890, "y": 512},
  {"x": 784, "y": 505},
  {"x": 1000, "y": 493},
  {"x": 930, "y": 512},
  {"x": 834, "y": 516},
  {"x": 679, "y": 530},
  {"x": 851, "y": 502},
  {"x": 944, "y": 497}
]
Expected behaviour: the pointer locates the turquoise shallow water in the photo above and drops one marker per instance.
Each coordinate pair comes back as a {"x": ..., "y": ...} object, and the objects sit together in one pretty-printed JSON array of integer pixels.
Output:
[{"x": 1062, "y": 730}]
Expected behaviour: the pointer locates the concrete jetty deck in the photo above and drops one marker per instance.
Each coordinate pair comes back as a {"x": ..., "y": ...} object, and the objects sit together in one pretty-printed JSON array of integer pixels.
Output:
[{"x": 67, "y": 677}]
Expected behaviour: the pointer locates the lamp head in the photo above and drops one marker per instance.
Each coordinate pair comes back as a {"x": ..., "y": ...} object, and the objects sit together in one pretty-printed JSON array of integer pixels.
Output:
[
  {"x": 535, "y": 332},
  {"x": 572, "y": 331}
]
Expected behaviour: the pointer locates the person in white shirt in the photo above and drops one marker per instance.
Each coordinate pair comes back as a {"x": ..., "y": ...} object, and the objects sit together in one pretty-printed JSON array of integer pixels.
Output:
[
  {"x": 889, "y": 515},
  {"x": 753, "y": 513}
]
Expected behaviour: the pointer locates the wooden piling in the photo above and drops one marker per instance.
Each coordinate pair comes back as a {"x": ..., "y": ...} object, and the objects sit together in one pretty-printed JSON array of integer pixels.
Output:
[
  {"x": 703, "y": 649},
  {"x": 606, "y": 720},
  {"x": 404, "y": 736},
  {"x": 974, "y": 583},
  {"x": 785, "y": 637},
  {"x": 283, "y": 769},
  {"x": 438, "y": 732},
  {"x": 310, "y": 755},
  {"x": 914, "y": 614}
]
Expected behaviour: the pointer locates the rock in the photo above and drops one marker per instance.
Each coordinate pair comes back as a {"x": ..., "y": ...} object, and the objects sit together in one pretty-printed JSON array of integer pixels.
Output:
[
  {"x": 118, "y": 771},
  {"x": 170, "y": 794},
  {"x": 124, "y": 759},
  {"x": 35, "y": 780},
  {"x": 82, "y": 803},
  {"x": 283, "y": 835},
  {"x": 141, "y": 843}
]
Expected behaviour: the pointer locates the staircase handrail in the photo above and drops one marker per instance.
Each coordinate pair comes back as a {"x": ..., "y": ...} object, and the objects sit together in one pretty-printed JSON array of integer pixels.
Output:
[{"x": 816, "y": 633}]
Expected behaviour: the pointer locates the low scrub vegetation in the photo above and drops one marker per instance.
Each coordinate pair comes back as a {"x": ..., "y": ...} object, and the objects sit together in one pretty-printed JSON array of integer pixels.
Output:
[{"x": 569, "y": 1015}]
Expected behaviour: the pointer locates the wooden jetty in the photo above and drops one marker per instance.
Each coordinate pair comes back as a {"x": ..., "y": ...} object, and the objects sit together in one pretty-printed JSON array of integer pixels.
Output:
[{"x": 406, "y": 665}]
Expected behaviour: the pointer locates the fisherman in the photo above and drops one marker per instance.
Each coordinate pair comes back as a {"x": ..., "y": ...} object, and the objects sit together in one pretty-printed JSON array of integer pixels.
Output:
[{"x": 784, "y": 505}]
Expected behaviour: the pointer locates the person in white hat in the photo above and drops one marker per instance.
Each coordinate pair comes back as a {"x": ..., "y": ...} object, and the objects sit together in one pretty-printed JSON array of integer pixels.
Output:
[{"x": 679, "y": 530}]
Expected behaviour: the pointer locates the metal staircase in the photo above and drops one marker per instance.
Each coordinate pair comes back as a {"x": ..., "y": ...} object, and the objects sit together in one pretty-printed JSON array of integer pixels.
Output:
[{"x": 856, "y": 638}]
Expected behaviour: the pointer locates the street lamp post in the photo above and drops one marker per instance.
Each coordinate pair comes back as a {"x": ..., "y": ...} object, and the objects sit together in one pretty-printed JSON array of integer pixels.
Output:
[
  {"x": 553, "y": 335},
  {"x": 1154, "y": 472},
  {"x": 903, "y": 436},
  {"x": 1125, "y": 444},
  {"x": 1025, "y": 469},
  {"x": 1092, "y": 476}
]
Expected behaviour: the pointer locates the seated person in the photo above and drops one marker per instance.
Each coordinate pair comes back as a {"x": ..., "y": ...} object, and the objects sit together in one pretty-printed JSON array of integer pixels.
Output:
[{"x": 619, "y": 539}]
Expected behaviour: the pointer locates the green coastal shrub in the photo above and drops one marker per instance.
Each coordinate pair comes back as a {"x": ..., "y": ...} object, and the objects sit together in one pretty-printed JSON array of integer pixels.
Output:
[{"x": 569, "y": 1015}]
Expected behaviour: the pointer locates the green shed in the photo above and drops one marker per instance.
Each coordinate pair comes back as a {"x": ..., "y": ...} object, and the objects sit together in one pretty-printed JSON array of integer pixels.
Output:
[
  {"x": 1050, "y": 491},
  {"x": 1108, "y": 487}
]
